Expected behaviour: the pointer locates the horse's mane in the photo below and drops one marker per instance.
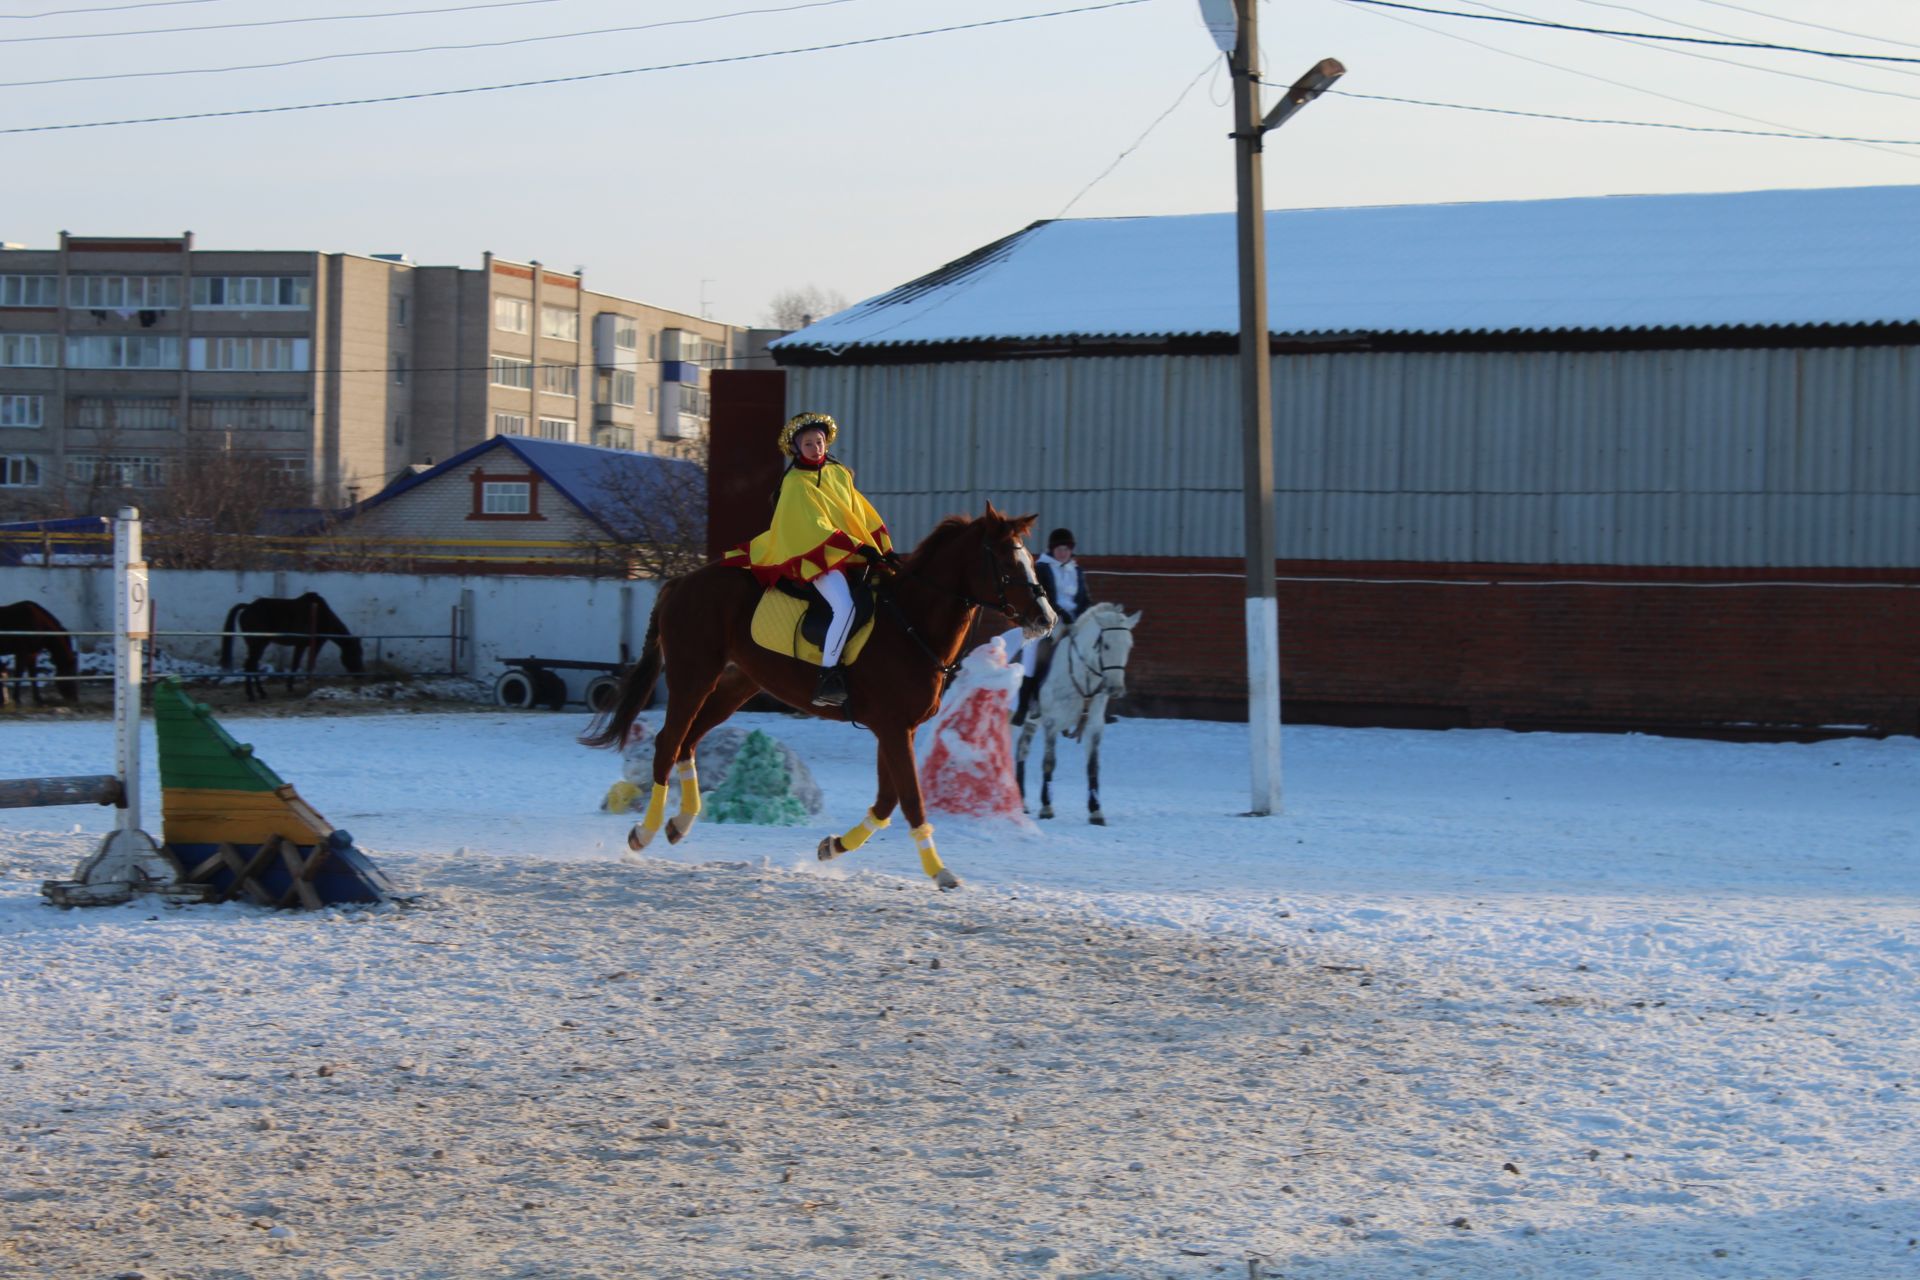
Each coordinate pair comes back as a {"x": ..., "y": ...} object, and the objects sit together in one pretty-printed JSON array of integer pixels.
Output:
[{"x": 940, "y": 537}]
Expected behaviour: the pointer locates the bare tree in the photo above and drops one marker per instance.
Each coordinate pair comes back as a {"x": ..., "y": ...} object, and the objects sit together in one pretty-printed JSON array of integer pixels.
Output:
[
  {"x": 655, "y": 515},
  {"x": 798, "y": 308},
  {"x": 211, "y": 510}
]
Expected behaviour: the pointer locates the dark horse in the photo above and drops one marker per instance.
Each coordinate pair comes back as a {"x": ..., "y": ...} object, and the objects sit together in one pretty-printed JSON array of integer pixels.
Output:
[
  {"x": 304, "y": 625},
  {"x": 38, "y": 632},
  {"x": 700, "y": 631}
]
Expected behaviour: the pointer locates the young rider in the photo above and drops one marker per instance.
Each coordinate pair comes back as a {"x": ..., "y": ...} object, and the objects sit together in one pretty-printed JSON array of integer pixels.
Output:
[
  {"x": 1065, "y": 586},
  {"x": 822, "y": 526}
]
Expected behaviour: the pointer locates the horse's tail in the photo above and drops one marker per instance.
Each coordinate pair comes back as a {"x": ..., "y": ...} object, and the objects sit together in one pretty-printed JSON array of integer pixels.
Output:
[
  {"x": 636, "y": 686},
  {"x": 226, "y": 637}
]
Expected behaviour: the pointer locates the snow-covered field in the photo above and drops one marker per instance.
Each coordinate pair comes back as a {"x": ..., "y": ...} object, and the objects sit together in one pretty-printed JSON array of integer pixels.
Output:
[{"x": 1476, "y": 1004}]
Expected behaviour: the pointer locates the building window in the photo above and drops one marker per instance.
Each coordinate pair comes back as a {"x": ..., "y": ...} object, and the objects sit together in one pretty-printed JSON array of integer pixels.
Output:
[
  {"x": 29, "y": 351},
  {"x": 509, "y": 372},
  {"x": 506, "y": 498},
  {"x": 123, "y": 293},
  {"x": 653, "y": 346},
  {"x": 653, "y": 399},
  {"x": 561, "y": 323},
  {"x": 249, "y": 355},
  {"x": 126, "y": 471},
  {"x": 560, "y": 379},
  {"x": 399, "y": 370},
  {"x": 510, "y": 424},
  {"x": 613, "y": 437},
  {"x": 19, "y": 471},
  {"x": 285, "y": 473},
  {"x": 249, "y": 413},
  {"x": 556, "y": 429},
  {"x": 123, "y": 351},
  {"x": 623, "y": 388},
  {"x": 23, "y": 411},
  {"x": 510, "y": 314},
  {"x": 253, "y": 293},
  {"x": 399, "y": 430},
  {"x": 400, "y": 310},
  {"x": 29, "y": 291},
  {"x": 626, "y": 333},
  {"x": 123, "y": 413}
]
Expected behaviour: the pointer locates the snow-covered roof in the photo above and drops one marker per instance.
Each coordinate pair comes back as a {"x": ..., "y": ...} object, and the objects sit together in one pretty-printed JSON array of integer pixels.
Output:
[{"x": 1840, "y": 256}]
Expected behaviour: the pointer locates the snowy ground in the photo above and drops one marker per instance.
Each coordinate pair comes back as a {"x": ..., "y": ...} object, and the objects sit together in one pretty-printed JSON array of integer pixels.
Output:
[{"x": 1477, "y": 1004}]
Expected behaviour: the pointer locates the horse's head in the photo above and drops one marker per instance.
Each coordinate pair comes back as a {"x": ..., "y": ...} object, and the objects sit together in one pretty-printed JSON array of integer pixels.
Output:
[
  {"x": 1103, "y": 636},
  {"x": 1004, "y": 578},
  {"x": 350, "y": 656}
]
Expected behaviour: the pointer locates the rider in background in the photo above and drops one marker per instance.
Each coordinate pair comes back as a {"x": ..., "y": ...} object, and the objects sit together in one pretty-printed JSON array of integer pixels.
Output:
[
  {"x": 1065, "y": 587},
  {"x": 822, "y": 527}
]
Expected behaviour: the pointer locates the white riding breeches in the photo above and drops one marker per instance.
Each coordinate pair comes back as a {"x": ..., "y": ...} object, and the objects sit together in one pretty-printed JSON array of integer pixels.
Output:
[{"x": 832, "y": 586}]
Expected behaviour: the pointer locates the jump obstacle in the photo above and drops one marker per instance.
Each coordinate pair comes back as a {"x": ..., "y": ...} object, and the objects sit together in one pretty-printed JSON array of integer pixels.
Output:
[{"x": 233, "y": 828}]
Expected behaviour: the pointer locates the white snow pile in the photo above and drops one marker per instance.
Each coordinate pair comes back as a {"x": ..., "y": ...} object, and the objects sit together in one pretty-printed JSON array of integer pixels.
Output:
[{"x": 1476, "y": 1004}]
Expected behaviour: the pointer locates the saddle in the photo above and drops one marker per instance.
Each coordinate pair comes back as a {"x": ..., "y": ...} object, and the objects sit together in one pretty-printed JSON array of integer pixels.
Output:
[{"x": 792, "y": 618}]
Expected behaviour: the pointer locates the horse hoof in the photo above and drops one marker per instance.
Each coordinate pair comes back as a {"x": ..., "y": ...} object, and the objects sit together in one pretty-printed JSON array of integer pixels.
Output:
[
  {"x": 677, "y": 827},
  {"x": 1047, "y": 812},
  {"x": 946, "y": 880},
  {"x": 829, "y": 849},
  {"x": 638, "y": 837},
  {"x": 1097, "y": 819}
]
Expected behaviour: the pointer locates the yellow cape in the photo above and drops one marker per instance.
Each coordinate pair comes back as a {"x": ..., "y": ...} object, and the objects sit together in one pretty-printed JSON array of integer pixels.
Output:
[{"x": 819, "y": 523}]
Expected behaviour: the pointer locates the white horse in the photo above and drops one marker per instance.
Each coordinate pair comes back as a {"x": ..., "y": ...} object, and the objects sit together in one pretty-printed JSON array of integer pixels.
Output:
[{"x": 1089, "y": 666}]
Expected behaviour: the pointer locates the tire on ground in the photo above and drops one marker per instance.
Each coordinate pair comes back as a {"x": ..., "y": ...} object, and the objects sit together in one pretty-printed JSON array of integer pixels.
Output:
[
  {"x": 514, "y": 689},
  {"x": 602, "y": 692}
]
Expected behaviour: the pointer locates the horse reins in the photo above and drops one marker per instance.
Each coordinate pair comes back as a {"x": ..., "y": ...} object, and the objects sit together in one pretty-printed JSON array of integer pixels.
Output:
[{"x": 1004, "y": 607}]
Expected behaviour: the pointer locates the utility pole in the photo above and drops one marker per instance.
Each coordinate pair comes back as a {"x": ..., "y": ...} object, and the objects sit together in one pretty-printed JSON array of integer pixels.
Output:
[{"x": 1256, "y": 379}]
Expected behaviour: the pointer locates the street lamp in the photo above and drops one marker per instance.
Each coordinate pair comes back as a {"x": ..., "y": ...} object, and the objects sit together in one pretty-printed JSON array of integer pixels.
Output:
[{"x": 1233, "y": 24}]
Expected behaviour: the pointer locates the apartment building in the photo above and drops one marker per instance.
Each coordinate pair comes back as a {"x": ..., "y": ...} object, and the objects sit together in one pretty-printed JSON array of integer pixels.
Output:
[{"x": 337, "y": 372}]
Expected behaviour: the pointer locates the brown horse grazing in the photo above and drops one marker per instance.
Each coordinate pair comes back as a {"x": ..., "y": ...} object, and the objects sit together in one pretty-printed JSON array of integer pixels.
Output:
[
  {"x": 302, "y": 624},
  {"x": 700, "y": 631},
  {"x": 36, "y": 631}
]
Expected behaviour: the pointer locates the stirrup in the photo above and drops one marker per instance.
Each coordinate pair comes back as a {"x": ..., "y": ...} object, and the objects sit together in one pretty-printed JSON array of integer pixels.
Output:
[{"x": 831, "y": 690}]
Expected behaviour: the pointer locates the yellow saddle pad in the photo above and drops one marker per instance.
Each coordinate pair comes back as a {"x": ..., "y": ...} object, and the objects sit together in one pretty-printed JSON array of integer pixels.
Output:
[{"x": 776, "y": 626}]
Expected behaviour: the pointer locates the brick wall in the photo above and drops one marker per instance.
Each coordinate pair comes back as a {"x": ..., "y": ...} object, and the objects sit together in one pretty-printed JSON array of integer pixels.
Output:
[{"x": 1737, "y": 653}]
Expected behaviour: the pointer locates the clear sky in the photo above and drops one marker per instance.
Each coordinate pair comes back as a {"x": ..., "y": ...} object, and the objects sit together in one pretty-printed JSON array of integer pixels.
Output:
[{"x": 711, "y": 188}]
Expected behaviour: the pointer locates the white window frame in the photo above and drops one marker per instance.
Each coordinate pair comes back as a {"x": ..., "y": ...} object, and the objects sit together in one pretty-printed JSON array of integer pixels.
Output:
[
  {"x": 250, "y": 353},
  {"x": 123, "y": 351},
  {"x": 561, "y": 429},
  {"x": 560, "y": 380},
  {"x": 29, "y": 290},
  {"x": 22, "y": 410},
  {"x": 19, "y": 471},
  {"x": 562, "y": 323},
  {"x": 123, "y": 293},
  {"x": 123, "y": 413},
  {"x": 509, "y": 424},
  {"x": 626, "y": 333},
  {"x": 29, "y": 351},
  {"x": 129, "y": 470},
  {"x": 506, "y": 497},
  {"x": 252, "y": 293},
  {"x": 399, "y": 369},
  {"x": 512, "y": 371},
  {"x": 623, "y": 388},
  {"x": 511, "y": 314}
]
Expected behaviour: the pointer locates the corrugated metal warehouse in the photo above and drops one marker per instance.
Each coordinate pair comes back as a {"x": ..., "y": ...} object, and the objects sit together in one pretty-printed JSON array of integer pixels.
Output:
[{"x": 1647, "y": 461}]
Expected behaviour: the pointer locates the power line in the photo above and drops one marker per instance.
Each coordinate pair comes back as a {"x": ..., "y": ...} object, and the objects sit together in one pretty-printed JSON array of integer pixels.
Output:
[
  {"x": 1694, "y": 26},
  {"x": 1801, "y": 22},
  {"x": 1618, "y": 84},
  {"x": 1744, "y": 66},
  {"x": 1636, "y": 35},
  {"x": 575, "y": 79},
  {"x": 1636, "y": 124},
  {"x": 429, "y": 48},
  {"x": 105, "y": 8},
  {"x": 273, "y": 22},
  {"x": 1157, "y": 121}
]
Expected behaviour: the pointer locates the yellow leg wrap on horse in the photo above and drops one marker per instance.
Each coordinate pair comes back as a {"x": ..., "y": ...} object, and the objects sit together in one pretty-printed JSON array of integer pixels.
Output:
[
  {"x": 689, "y": 787},
  {"x": 656, "y": 808},
  {"x": 864, "y": 831},
  {"x": 923, "y": 841}
]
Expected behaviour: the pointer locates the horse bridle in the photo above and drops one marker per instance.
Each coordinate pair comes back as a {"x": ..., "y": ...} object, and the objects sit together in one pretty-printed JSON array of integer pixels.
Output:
[
  {"x": 1003, "y": 578},
  {"x": 1100, "y": 655}
]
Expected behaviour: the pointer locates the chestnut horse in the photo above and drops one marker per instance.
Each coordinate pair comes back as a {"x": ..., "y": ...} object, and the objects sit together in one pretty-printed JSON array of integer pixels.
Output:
[{"x": 700, "y": 631}]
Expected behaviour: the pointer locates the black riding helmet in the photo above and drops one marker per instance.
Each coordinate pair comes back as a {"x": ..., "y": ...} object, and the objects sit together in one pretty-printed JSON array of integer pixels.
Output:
[{"x": 1059, "y": 536}]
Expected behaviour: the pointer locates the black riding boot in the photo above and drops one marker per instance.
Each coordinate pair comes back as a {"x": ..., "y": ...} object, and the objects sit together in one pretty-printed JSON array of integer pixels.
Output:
[
  {"x": 1026, "y": 700},
  {"x": 832, "y": 689}
]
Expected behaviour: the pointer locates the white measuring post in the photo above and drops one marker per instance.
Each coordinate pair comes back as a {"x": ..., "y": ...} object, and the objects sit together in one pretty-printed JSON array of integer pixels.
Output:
[{"x": 133, "y": 627}]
